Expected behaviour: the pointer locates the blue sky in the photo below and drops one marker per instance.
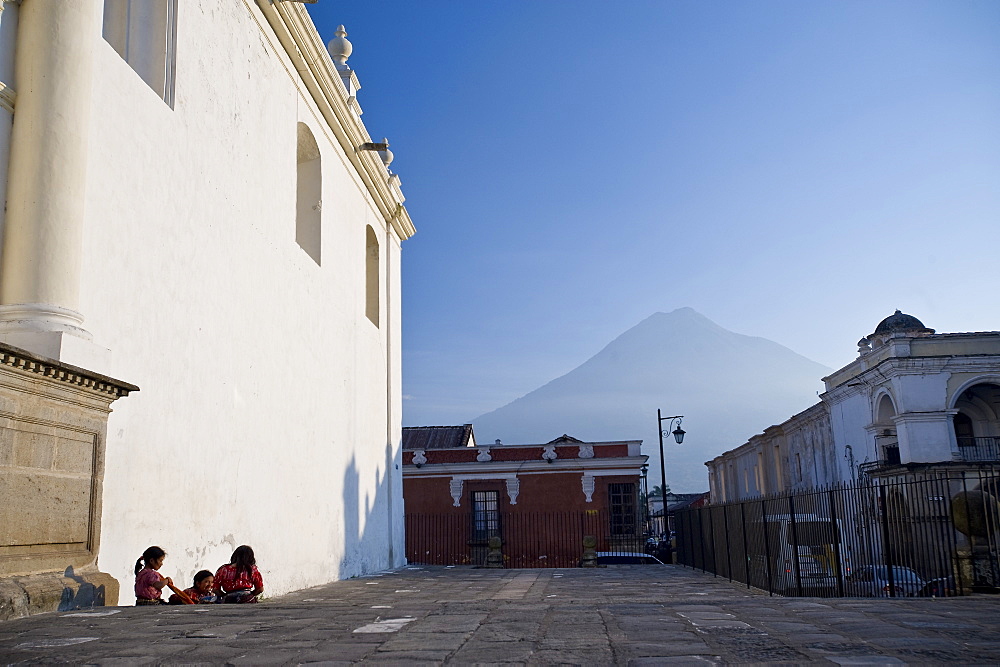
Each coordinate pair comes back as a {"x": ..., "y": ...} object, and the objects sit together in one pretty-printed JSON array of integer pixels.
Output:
[{"x": 791, "y": 170}]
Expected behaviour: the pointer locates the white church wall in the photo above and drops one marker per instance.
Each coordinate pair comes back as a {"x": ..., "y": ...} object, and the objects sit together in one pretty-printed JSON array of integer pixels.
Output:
[
  {"x": 850, "y": 415},
  {"x": 262, "y": 417}
]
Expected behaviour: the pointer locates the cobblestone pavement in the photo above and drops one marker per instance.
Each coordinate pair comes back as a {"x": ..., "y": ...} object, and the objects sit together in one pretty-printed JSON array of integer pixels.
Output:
[{"x": 631, "y": 615}]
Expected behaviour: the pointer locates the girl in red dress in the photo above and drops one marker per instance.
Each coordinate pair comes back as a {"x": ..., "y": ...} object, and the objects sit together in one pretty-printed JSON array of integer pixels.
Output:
[{"x": 240, "y": 581}]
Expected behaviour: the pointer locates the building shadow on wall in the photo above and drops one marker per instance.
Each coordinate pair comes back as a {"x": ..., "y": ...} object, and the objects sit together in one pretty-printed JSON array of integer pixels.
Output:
[
  {"x": 368, "y": 525},
  {"x": 84, "y": 595}
]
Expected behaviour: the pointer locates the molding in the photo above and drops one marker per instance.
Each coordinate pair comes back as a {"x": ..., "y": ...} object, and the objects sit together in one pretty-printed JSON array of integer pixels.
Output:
[
  {"x": 501, "y": 469},
  {"x": 301, "y": 41},
  {"x": 7, "y": 94},
  {"x": 26, "y": 362},
  {"x": 989, "y": 377}
]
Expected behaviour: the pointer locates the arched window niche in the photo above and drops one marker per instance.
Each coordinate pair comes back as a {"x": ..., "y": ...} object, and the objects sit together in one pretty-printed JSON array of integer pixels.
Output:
[
  {"x": 309, "y": 195},
  {"x": 977, "y": 421},
  {"x": 371, "y": 275},
  {"x": 887, "y": 444}
]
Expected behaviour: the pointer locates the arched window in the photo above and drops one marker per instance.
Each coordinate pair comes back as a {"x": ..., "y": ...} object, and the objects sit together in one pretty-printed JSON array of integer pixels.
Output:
[
  {"x": 886, "y": 411},
  {"x": 309, "y": 194},
  {"x": 371, "y": 275},
  {"x": 977, "y": 423}
]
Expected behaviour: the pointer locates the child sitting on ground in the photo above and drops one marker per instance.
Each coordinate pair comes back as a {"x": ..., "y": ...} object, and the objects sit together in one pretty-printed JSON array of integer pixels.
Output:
[
  {"x": 148, "y": 582},
  {"x": 200, "y": 593},
  {"x": 240, "y": 581}
]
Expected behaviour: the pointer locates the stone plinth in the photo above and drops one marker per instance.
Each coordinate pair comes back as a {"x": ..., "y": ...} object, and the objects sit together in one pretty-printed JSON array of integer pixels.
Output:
[{"x": 53, "y": 423}]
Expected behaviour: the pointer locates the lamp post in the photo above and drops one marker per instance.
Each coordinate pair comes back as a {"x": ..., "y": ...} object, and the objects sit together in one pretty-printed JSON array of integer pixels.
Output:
[
  {"x": 644, "y": 494},
  {"x": 678, "y": 434}
]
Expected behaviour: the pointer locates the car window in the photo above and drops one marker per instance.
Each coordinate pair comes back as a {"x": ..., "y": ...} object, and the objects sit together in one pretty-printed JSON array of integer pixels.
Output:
[{"x": 905, "y": 574}]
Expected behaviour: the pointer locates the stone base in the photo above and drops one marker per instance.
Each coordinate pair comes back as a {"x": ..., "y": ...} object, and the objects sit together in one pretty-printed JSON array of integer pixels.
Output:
[{"x": 56, "y": 591}]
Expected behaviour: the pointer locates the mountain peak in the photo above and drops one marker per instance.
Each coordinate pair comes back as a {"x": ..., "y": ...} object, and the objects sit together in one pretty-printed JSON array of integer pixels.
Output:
[{"x": 730, "y": 385}]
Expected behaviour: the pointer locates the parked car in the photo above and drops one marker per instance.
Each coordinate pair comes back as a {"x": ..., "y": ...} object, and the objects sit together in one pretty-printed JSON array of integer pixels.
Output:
[
  {"x": 939, "y": 588},
  {"x": 873, "y": 581},
  {"x": 626, "y": 558}
]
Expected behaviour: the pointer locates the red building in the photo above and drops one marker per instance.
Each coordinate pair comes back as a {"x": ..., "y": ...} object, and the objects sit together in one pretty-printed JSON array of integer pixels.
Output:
[{"x": 539, "y": 499}]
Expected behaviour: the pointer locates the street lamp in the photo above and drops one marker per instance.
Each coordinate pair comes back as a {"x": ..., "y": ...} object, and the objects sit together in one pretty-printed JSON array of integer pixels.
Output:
[
  {"x": 678, "y": 434},
  {"x": 644, "y": 494}
]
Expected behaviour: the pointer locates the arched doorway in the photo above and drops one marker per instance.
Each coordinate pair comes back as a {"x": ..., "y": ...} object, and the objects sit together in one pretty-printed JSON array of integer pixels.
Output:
[{"x": 977, "y": 422}]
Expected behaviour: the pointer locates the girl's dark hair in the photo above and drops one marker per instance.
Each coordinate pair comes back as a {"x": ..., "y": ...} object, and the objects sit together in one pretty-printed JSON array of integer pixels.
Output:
[
  {"x": 243, "y": 559},
  {"x": 152, "y": 553},
  {"x": 201, "y": 576}
]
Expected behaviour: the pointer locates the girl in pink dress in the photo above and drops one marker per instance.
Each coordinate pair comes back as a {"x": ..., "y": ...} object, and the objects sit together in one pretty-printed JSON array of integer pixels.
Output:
[{"x": 148, "y": 582}]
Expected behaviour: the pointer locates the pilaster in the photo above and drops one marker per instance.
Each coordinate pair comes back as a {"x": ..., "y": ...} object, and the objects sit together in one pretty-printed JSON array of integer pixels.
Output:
[{"x": 43, "y": 229}]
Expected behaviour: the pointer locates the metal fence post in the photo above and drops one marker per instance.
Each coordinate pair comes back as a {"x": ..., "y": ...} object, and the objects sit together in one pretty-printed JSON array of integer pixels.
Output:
[
  {"x": 711, "y": 534},
  {"x": 701, "y": 538},
  {"x": 795, "y": 546},
  {"x": 886, "y": 546},
  {"x": 746, "y": 547},
  {"x": 837, "y": 538},
  {"x": 767, "y": 548},
  {"x": 729, "y": 560}
]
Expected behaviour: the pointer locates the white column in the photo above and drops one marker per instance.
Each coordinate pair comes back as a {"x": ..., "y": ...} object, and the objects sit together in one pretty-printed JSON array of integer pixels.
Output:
[
  {"x": 8, "y": 40},
  {"x": 43, "y": 230}
]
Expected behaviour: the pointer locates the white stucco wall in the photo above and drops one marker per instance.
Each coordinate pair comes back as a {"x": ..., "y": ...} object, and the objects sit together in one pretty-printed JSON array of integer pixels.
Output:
[{"x": 269, "y": 410}]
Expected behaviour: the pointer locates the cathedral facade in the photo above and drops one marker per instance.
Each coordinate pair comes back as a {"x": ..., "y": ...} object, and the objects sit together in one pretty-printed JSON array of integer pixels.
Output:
[{"x": 196, "y": 217}]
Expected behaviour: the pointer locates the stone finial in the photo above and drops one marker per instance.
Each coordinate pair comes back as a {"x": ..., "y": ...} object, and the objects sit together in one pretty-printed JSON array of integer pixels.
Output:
[
  {"x": 864, "y": 346},
  {"x": 340, "y": 49},
  {"x": 386, "y": 155}
]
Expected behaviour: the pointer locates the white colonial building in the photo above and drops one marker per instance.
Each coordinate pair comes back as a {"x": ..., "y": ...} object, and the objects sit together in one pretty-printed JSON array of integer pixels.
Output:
[
  {"x": 913, "y": 401},
  {"x": 194, "y": 207}
]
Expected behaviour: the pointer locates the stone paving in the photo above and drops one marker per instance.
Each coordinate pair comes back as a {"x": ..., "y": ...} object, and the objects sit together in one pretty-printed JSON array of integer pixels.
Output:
[{"x": 628, "y": 615}]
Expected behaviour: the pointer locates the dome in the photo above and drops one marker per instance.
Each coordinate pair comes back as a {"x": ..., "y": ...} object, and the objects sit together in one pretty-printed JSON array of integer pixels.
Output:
[{"x": 898, "y": 322}]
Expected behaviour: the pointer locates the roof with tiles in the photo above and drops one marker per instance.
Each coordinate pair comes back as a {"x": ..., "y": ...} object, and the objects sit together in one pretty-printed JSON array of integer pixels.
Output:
[{"x": 438, "y": 437}]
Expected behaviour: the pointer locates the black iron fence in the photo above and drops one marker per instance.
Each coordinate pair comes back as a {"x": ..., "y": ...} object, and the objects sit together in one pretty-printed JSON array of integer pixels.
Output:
[
  {"x": 979, "y": 449},
  {"x": 528, "y": 539},
  {"x": 932, "y": 534}
]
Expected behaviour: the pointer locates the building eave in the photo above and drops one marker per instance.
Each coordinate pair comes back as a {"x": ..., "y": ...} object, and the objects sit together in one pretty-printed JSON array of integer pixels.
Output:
[
  {"x": 301, "y": 41},
  {"x": 625, "y": 465}
]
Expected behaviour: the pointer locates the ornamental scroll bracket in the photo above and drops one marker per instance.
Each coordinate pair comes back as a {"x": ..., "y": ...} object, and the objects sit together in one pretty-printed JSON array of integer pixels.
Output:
[
  {"x": 588, "y": 487},
  {"x": 513, "y": 488},
  {"x": 455, "y": 487}
]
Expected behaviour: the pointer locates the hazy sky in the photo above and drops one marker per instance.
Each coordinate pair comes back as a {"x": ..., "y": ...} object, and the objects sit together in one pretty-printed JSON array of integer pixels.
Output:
[{"x": 792, "y": 170}]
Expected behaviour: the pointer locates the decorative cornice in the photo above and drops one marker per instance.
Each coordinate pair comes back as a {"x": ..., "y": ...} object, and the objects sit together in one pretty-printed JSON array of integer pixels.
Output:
[
  {"x": 24, "y": 361},
  {"x": 7, "y": 96},
  {"x": 301, "y": 41},
  {"x": 501, "y": 469}
]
